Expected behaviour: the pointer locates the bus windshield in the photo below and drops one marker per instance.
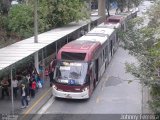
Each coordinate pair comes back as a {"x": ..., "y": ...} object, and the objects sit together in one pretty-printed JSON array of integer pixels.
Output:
[{"x": 72, "y": 73}]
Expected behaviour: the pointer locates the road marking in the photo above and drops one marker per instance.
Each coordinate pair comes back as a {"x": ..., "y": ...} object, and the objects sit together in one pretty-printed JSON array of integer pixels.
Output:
[
  {"x": 29, "y": 110},
  {"x": 46, "y": 106},
  {"x": 44, "y": 109},
  {"x": 97, "y": 100}
]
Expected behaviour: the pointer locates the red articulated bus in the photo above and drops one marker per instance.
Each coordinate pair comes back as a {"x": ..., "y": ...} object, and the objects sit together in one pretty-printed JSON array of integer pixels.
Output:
[
  {"x": 81, "y": 64},
  {"x": 73, "y": 70},
  {"x": 115, "y": 21}
]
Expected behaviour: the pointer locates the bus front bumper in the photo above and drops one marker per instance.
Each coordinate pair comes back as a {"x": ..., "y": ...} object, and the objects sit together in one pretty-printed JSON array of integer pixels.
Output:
[{"x": 70, "y": 95}]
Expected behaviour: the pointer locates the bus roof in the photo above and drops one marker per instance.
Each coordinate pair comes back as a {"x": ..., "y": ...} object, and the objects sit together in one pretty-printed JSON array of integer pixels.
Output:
[
  {"x": 97, "y": 35},
  {"x": 78, "y": 47},
  {"x": 125, "y": 14},
  {"x": 102, "y": 30},
  {"x": 115, "y": 19},
  {"x": 109, "y": 25},
  {"x": 100, "y": 39}
]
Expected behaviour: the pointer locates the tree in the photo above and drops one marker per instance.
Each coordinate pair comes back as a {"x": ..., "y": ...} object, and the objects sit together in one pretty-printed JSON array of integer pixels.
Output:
[
  {"x": 122, "y": 4},
  {"x": 52, "y": 13},
  {"x": 108, "y": 6},
  {"x": 143, "y": 41},
  {"x": 20, "y": 20}
]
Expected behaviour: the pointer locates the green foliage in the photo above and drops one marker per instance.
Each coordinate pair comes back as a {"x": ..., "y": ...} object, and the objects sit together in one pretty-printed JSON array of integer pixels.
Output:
[
  {"x": 20, "y": 20},
  {"x": 154, "y": 103},
  {"x": 143, "y": 42},
  {"x": 51, "y": 13},
  {"x": 122, "y": 4},
  {"x": 60, "y": 12},
  {"x": 3, "y": 21}
]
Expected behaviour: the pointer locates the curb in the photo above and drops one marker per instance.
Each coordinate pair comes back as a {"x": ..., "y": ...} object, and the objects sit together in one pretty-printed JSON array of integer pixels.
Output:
[{"x": 33, "y": 110}]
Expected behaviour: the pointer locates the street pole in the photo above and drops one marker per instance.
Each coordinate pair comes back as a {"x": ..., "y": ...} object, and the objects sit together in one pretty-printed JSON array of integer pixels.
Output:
[
  {"x": 90, "y": 10},
  {"x": 35, "y": 34},
  {"x": 35, "y": 22},
  {"x": 12, "y": 92},
  {"x": 43, "y": 64},
  {"x": 101, "y": 9}
]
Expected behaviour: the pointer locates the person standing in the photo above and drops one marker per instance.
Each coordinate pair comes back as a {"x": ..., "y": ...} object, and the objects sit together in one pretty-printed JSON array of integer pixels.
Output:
[
  {"x": 24, "y": 94},
  {"x": 46, "y": 73},
  {"x": 4, "y": 84},
  {"x": 51, "y": 70},
  {"x": 15, "y": 86},
  {"x": 33, "y": 88}
]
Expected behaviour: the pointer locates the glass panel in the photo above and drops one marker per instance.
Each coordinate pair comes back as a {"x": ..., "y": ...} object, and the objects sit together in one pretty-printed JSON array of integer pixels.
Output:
[
  {"x": 73, "y": 56},
  {"x": 71, "y": 72}
]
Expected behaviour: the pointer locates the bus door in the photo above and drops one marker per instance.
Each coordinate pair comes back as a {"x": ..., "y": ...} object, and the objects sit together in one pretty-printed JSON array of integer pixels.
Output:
[
  {"x": 96, "y": 69},
  {"x": 111, "y": 47},
  {"x": 91, "y": 75}
]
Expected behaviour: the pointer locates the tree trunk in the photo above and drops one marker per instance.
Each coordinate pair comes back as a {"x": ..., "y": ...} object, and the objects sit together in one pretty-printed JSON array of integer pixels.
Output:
[
  {"x": 5, "y": 5},
  {"x": 101, "y": 9},
  {"x": 108, "y": 6}
]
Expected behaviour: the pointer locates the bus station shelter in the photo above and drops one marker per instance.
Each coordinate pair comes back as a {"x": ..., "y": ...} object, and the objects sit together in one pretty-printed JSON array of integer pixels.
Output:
[{"x": 18, "y": 51}]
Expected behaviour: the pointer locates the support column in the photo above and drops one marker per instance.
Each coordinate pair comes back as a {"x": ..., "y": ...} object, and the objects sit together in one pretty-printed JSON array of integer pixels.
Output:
[
  {"x": 89, "y": 26},
  {"x": 56, "y": 48},
  {"x": 101, "y": 9},
  {"x": 36, "y": 35},
  {"x": 12, "y": 92},
  {"x": 43, "y": 63},
  {"x": 36, "y": 61}
]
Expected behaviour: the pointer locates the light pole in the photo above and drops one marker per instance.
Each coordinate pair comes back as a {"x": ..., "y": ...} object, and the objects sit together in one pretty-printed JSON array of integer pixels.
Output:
[
  {"x": 35, "y": 34},
  {"x": 35, "y": 22},
  {"x": 101, "y": 9},
  {"x": 12, "y": 91}
]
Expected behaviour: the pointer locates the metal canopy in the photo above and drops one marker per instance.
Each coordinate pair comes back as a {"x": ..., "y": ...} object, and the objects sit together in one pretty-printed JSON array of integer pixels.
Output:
[{"x": 20, "y": 50}]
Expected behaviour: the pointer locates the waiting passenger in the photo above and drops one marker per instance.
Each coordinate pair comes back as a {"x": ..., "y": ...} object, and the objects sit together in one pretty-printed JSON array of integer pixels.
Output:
[
  {"x": 51, "y": 70},
  {"x": 4, "y": 84},
  {"x": 15, "y": 86},
  {"x": 24, "y": 94}
]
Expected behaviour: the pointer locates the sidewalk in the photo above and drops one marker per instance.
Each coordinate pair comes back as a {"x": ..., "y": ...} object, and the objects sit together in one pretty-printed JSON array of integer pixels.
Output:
[{"x": 41, "y": 97}]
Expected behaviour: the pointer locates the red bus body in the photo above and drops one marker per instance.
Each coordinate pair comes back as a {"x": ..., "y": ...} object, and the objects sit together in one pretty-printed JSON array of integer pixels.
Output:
[
  {"x": 81, "y": 63},
  {"x": 82, "y": 91}
]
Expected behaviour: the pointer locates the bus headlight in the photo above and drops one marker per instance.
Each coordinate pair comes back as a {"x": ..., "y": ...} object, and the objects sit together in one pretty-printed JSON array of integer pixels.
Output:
[
  {"x": 54, "y": 86},
  {"x": 85, "y": 89}
]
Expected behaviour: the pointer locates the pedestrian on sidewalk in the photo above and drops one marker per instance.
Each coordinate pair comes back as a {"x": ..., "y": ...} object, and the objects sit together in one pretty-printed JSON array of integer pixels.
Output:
[
  {"x": 33, "y": 88},
  {"x": 51, "y": 70},
  {"x": 46, "y": 73},
  {"x": 24, "y": 94},
  {"x": 5, "y": 85},
  {"x": 15, "y": 86}
]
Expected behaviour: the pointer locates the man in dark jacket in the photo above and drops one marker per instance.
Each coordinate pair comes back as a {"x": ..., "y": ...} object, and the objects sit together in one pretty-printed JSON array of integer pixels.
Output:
[{"x": 51, "y": 70}]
